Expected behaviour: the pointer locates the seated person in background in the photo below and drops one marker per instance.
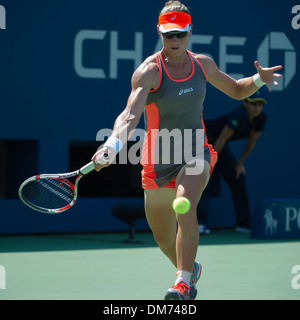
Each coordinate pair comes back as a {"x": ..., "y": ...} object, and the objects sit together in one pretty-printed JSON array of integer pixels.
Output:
[{"x": 245, "y": 122}]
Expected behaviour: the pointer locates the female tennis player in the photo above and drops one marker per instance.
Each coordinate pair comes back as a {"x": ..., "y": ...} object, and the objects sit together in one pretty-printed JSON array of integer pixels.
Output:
[{"x": 170, "y": 87}]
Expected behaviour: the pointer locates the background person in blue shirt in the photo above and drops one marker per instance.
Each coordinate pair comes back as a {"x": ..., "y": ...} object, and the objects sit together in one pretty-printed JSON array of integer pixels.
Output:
[{"x": 245, "y": 122}]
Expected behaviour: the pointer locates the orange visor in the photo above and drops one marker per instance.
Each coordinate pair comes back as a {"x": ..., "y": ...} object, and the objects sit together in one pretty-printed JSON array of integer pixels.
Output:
[{"x": 174, "y": 21}]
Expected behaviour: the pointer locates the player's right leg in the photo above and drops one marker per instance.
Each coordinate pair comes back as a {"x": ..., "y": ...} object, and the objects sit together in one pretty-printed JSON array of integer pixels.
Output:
[{"x": 162, "y": 219}]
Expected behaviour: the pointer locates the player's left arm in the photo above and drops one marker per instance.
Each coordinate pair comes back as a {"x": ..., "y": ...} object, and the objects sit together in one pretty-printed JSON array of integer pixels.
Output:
[
  {"x": 237, "y": 89},
  {"x": 251, "y": 142}
]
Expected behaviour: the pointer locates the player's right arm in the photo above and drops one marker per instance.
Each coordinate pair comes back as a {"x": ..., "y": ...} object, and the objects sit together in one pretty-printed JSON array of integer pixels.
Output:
[{"x": 145, "y": 78}]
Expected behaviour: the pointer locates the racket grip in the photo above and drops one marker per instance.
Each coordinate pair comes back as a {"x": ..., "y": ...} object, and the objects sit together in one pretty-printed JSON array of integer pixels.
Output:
[
  {"x": 87, "y": 168},
  {"x": 90, "y": 166}
]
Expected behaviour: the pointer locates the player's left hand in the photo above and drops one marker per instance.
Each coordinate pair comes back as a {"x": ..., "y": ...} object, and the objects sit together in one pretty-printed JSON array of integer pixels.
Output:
[{"x": 268, "y": 75}]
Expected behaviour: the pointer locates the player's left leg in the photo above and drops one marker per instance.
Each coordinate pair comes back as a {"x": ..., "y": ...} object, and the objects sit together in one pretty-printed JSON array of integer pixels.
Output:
[{"x": 190, "y": 184}]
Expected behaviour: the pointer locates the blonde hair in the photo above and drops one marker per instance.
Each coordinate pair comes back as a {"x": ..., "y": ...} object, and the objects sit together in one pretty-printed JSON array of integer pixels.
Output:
[{"x": 174, "y": 6}]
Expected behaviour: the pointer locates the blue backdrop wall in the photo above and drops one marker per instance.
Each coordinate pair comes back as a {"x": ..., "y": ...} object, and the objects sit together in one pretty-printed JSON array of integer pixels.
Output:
[{"x": 65, "y": 70}]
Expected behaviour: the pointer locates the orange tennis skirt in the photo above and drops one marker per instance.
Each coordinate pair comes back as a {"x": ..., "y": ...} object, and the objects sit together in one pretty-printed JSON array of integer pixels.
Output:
[{"x": 150, "y": 179}]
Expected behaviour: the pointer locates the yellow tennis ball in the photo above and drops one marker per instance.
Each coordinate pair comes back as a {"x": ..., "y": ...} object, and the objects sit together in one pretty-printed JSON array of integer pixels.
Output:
[{"x": 181, "y": 205}]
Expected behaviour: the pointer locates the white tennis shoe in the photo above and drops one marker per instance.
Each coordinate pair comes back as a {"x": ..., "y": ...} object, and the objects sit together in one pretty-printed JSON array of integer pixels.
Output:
[{"x": 196, "y": 273}]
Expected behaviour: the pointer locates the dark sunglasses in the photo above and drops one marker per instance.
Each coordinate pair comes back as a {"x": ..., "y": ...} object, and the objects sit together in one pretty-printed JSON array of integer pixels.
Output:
[{"x": 171, "y": 35}]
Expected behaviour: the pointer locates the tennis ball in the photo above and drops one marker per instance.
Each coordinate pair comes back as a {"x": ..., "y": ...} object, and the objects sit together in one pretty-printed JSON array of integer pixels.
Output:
[{"x": 181, "y": 205}]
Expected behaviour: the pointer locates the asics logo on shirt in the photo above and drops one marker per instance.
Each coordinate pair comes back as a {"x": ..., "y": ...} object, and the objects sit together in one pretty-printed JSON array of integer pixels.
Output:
[{"x": 182, "y": 91}]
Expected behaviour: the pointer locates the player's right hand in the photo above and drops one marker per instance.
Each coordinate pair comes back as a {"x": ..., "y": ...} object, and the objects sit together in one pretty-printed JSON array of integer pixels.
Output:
[{"x": 102, "y": 158}]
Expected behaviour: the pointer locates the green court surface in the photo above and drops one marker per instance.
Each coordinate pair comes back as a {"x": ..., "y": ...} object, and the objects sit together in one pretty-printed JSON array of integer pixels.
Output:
[{"x": 102, "y": 267}]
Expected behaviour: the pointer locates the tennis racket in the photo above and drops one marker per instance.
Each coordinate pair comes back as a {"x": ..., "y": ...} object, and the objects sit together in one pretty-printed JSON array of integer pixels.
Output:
[{"x": 53, "y": 193}]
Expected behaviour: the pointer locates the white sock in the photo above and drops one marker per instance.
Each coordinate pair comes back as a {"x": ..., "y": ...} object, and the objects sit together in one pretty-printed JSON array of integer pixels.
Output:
[{"x": 184, "y": 276}]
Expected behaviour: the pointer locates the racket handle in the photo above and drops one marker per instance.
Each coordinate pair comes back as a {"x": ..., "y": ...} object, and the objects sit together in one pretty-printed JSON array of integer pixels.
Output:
[
  {"x": 90, "y": 166},
  {"x": 87, "y": 168}
]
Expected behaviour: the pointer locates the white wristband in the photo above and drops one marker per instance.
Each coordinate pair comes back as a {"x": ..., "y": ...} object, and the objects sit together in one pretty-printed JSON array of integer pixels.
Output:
[
  {"x": 114, "y": 143},
  {"x": 257, "y": 80}
]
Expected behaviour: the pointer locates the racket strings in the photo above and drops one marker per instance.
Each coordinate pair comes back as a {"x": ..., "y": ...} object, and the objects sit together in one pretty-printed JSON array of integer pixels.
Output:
[{"x": 48, "y": 193}]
